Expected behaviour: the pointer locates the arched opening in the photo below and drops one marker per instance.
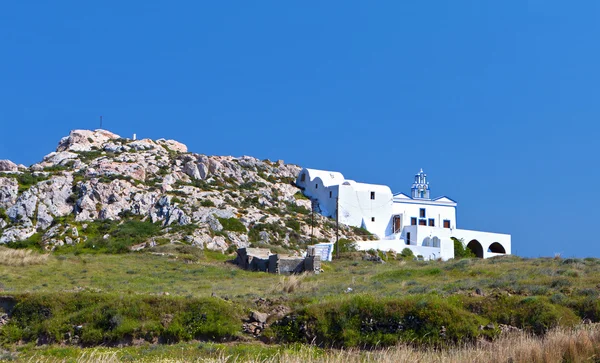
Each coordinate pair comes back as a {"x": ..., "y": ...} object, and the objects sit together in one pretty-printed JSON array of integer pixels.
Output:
[
  {"x": 303, "y": 177},
  {"x": 436, "y": 242},
  {"x": 427, "y": 242},
  {"x": 476, "y": 248},
  {"x": 496, "y": 248}
]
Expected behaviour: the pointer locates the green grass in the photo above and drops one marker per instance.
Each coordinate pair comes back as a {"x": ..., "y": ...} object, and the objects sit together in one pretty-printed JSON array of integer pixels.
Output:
[
  {"x": 532, "y": 294},
  {"x": 99, "y": 319}
]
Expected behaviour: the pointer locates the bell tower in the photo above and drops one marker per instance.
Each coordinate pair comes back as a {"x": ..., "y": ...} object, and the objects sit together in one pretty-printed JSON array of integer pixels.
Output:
[{"x": 420, "y": 188}]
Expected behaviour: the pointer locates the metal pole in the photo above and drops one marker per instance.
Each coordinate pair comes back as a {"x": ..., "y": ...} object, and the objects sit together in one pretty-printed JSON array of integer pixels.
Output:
[
  {"x": 337, "y": 227},
  {"x": 312, "y": 221}
]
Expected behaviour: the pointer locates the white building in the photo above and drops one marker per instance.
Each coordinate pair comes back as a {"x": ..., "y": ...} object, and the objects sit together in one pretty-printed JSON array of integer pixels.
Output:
[{"x": 400, "y": 221}]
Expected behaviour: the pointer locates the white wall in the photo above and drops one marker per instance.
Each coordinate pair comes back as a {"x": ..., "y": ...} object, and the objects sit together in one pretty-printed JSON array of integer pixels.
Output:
[
  {"x": 439, "y": 213},
  {"x": 357, "y": 208},
  {"x": 485, "y": 239},
  {"x": 428, "y": 253}
]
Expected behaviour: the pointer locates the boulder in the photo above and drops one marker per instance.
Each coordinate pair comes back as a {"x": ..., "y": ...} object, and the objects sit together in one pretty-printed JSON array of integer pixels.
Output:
[
  {"x": 7, "y": 165},
  {"x": 85, "y": 140},
  {"x": 9, "y": 190}
]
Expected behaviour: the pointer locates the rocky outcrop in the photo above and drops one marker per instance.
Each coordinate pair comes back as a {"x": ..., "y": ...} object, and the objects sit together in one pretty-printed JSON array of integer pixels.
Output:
[
  {"x": 222, "y": 201},
  {"x": 7, "y": 165}
]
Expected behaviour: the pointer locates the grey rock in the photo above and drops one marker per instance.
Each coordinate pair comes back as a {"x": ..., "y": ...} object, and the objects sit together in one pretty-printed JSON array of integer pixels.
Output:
[
  {"x": 259, "y": 317},
  {"x": 9, "y": 190},
  {"x": 213, "y": 223},
  {"x": 191, "y": 169},
  {"x": 7, "y": 165},
  {"x": 17, "y": 233}
]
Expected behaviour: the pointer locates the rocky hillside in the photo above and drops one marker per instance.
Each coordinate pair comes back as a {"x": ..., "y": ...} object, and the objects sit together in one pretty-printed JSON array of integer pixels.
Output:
[{"x": 98, "y": 187}]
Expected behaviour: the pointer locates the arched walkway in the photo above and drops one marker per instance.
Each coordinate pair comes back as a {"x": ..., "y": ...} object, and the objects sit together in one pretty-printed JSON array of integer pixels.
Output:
[
  {"x": 476, "y": 248},
  {"x": 496, "y": 248}
]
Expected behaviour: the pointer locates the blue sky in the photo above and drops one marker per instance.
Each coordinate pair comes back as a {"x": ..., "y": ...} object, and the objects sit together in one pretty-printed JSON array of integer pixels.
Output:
[{"x": 497, "y": 100}]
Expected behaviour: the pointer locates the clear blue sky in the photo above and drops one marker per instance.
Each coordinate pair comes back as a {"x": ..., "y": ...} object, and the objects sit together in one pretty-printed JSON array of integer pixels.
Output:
[{"x": 499, "y": 101}]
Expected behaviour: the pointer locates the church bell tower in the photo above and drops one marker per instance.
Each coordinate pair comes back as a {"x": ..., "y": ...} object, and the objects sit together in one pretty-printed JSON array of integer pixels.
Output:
[{"x": 420, "y": 188}]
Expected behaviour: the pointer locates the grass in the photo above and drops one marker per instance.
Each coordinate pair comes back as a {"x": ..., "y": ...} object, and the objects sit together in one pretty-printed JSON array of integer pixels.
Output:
[
  {"x": 109, "y": 319},
  {"x": 579, "y": 344},
  {"x": 353, "y": 303},
  {"x": 21, "y": 257}
]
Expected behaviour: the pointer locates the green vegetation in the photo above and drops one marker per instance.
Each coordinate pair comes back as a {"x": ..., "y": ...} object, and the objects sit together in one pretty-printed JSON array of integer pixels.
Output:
[
  {"x": 4, "y": 215},
  {"x": 117, "y": 298},
  {"x": 111, "y": 318},
  {"x": 345, "y": 245},
  {"x": 300, "y": 195},
  {"x": 233, "y": 224},
  {"x": 207, "y": 203},
  {"x": 120, "y": 236},
  {"x": 460, "y": 250},
  {"x": 369, "y": 321},
  {"x": 407, "y": 254},
  {"x": 27, "y": 179},
  {"x": 33, "y": 242}
]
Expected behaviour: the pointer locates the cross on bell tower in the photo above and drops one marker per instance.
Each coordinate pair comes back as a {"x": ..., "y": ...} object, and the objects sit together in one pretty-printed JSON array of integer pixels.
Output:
[{"x": 420, "y": 188}]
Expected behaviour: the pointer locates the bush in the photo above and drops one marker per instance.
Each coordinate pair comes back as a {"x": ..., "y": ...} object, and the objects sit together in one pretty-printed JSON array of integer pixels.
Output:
[
  {"x": 3, "y": 215},
  {"x": 293, "y": 224},
  {"x": 368, "y": 321},
  {"x": 345, "y": 245},
  {"x": 233, "y": 224},
  {"x": 121, "y": 236},
  {"x": 460, "y": 250},
  {"x": 108, "y": 318},
  {"x": 407, "y": 254},
  {"x": 207, "y": 203},
  {"x": 534, "y": 314}
]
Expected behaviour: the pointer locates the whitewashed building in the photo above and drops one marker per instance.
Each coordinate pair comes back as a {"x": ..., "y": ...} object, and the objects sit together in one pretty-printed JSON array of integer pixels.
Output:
[{"x": 423, "y": 224}]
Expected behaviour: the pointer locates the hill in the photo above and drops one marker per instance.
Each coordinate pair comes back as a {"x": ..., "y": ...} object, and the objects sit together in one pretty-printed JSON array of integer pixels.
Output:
[
  {"x": 117, "y": 249},
  {"x": 80, "y": 195}
]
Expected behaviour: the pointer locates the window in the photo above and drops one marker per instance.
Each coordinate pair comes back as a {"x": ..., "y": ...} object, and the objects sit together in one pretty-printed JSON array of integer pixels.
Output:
[
  {"x": 372, "y": 219},
  {"x": 408, "y": 238},
  {"x": 316, "y": 186},
  {"x": 446, "y": 223},
  {"x": 303, "y": 177},
  {"x": 422, "y": 222},
  {"x": 436, "y": 242},
  {"x": 330, "y": 194},
  {"x": 431, "y": 222},
  {"x": 372, "y": 195},
  {"x": 413, "y": 221},
  {"x": 422, "y": 212}
]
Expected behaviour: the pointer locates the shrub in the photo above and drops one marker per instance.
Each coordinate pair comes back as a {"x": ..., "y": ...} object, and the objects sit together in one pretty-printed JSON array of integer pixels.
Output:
[
  {"x": 345, "y": 245},
  {"x": 293, "y": 224},
  {"x": 35, "y": 242},
  {"x": 28, "y": 179},
  {"x": 121, "y": 236},
  {"x": 233, "y": 224},
  {"x": 460, "y": 250},
  {"x": 108, "y": 318},
  {"x": 299, "y": 195},
  {"x": 407, "y": 254},
  {"x": 368, "y": 321},
  {"x": 207, "y": 203},
  {"x": 534, "y": 314},
  {"x": 3, "y": 215}
]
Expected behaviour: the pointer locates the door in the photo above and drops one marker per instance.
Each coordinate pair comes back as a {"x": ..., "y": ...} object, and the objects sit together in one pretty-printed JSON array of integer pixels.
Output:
[{"x": 397, "y": 224}]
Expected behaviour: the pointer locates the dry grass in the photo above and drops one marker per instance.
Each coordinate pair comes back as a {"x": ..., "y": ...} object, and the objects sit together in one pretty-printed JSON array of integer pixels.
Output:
[
  {"x": 581, "y": 344},
  {"x": 21, "y": 257},
  {"x": 291, "y": 283}
]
